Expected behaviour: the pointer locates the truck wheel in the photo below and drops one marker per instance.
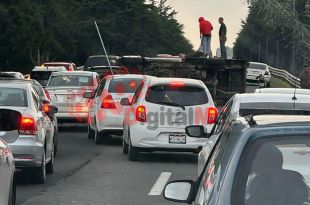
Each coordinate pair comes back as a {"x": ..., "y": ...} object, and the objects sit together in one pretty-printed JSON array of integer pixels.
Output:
[
  {"x": 133, "y": 152},
  {"x": 39, "y": 173}
]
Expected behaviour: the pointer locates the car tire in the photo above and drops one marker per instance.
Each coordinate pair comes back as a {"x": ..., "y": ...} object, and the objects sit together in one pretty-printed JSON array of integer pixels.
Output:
[
  {"x": 55, "y": 146},
  {"x": 12, "y": 196},
  {"x": 91, "y": 132},
  {"x": 97, "y": 136},
  {"x": 125, "y": 146},
  {"x": 50, "y": 165},
  {"x": 133, "y": 152},
  {"x": 39, "y": 173}
]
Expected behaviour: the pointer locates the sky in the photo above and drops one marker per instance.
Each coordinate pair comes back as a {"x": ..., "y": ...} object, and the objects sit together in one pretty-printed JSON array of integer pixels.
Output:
[{"x": 233, "y": 11}]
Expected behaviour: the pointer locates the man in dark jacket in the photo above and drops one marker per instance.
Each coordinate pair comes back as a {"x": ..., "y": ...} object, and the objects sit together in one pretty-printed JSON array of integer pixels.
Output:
[
  {"x": 223, "y": 37},
  {"x": 205, "y": 36}
]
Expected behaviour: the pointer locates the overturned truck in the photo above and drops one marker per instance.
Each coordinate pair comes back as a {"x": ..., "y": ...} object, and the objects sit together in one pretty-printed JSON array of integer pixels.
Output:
[{"x": 223, "y": 77}]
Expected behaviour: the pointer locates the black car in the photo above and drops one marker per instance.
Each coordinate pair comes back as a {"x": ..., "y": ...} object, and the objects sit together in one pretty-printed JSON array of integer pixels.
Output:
[{"x": 257, "y": 160}]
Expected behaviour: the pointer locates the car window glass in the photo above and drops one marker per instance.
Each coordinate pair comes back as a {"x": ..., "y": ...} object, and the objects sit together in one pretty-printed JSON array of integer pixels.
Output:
[
  {"x": 70, "y": 81},
  {"x": 137, "y": 94},
  {"x": 35, "y": 100},
  {"x": 13, "y": 97},
  {"x": 213, "y": 171},
  {"x": 185, "y": 95},
  {"x": 225, "y": 113},
  {"x": 124, "y": 85},
  {"x": 100, "y": 88},
  {"x": 274, "y": 171}
]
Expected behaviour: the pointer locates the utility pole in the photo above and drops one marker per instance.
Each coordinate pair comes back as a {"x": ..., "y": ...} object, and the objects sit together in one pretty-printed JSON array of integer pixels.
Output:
[
  {"x": 267, "y": 48},
  {"x": 259, "y": 46},
  {"x": 277, "y": 53},
  {"x": 293, "y": 44}
]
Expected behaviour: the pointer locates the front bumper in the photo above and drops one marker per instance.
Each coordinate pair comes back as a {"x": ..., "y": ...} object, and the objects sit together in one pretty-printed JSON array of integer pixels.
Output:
[{"x": 27, "y": 151}]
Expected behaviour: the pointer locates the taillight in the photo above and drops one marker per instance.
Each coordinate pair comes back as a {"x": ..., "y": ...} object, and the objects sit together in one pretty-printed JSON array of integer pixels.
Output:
[
  {"x": 212, "y": 115},
  {"x": 47, "y": 94},
  {"x": 177, "y": 84},
  {"x": 70, "y": 68},
  {"x": 108, "y": 103},
  {"x": 28, "y": 126},
  {"x": 141, "y": 113}
]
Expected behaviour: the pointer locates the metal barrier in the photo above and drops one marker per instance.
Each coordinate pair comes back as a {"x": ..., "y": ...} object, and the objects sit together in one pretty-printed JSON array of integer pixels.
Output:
[{"x": 286, "y": 76}]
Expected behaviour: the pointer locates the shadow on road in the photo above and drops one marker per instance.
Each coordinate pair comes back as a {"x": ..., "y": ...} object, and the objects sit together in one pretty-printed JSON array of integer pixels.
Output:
[
  {"x": 168, "y": 157},
  {"x": 72, "y": 128}
]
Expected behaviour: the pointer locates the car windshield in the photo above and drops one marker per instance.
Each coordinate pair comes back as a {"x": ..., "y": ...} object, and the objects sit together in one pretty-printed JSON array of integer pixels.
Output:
[
  {"x": 124, "y": 85},
  {"x": 70, "y": 81},
  {"x": 13, "y": 97},
  {"x": 186, "y": 95},
  {"x": 257, "y": 66},
  {"x": 41, "y": 76},
  {"x": 272, "y": 164}
]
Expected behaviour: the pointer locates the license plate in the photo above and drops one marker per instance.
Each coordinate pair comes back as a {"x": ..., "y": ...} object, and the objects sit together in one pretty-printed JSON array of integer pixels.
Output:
[{"x": 177, "y": 139}]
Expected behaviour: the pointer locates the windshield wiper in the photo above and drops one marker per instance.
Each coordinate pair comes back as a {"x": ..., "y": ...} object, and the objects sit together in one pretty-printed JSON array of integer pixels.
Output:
[{"x": 172, "y": 104}]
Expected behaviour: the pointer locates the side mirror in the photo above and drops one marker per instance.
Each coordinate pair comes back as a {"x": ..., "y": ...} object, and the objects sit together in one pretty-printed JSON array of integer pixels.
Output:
[
  {"x": 179, "y": 191},
  {"x": 197, "y": 131},
  {"x": 88, "y": 95},
  {"x": 125, "y": 102},
  {"x": 53, "y": 109}
]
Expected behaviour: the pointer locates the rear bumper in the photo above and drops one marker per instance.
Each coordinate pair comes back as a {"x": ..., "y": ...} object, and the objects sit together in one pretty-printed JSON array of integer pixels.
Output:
[
  {"x": 72, "y": 117},
  {"x": 109, "y": 121},
  {"x": 27, "y": 151}
]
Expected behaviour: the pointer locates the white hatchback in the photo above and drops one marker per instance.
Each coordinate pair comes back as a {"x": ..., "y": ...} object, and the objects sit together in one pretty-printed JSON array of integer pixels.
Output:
[
  {"x": 106, "y": 114},
  {"x": 160, "y": 110}
]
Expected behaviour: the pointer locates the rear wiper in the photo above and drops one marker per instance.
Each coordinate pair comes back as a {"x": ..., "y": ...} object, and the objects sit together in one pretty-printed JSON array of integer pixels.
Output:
[{"x": 172, "y": 104}]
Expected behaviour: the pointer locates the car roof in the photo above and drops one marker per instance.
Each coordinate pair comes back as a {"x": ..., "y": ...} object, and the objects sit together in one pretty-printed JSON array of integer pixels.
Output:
[
  {"x": 15, "y": 83},
  {"x": 49, "y": 68},
  {"x": 88, "y": 73},
  {"x": 282, "y": 119},
  {"x": 64, "y": 63},
  {"x": 258, "y": 63},
  {"x": 283, "y": 91},
  {"x": 271, "y": 97},
  {"x": 120, "y": 76},
  {"x": 169, "y": 80}
]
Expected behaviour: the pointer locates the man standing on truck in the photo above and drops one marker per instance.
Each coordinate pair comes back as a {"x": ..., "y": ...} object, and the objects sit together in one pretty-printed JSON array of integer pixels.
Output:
[
  {"x": 223, "y": 37},
  {"x": 205, "y": 36}
]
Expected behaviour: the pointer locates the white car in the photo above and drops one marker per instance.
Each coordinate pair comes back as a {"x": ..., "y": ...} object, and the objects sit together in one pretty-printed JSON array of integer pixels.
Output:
[
  {"x": 253, "y": 104},
  {"x": 283, "y": 91},
  {"x": 160, "y": 110},
  {"x": 255, "y": 70},
  {"x": 106, "y": 114}
]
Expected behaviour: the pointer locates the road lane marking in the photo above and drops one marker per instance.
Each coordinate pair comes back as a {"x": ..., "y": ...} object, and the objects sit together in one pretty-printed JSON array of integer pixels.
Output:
[{"x": 160, "y": 184}]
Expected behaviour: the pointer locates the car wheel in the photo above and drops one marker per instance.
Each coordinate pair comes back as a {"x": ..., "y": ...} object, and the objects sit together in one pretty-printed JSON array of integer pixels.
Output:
[
  {"x": 50, "y": 165},
  {"x": 55, "y": 146},
  {"x": 125, "y": 146},
  {"x": 97, "y": 136},
  {"x": 40, "y": 172},
  {"x": 133, "y": 152},
  {"x": 12, "y": 196},
  {"x": 91, "y": 132}
]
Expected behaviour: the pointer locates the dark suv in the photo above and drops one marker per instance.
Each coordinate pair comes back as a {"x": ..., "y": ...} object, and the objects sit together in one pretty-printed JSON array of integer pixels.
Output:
[{"x": 256, "y": 160}]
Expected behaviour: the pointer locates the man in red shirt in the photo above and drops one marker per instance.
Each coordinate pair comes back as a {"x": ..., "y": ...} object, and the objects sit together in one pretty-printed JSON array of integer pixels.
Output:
[{"x": 205, "y": 36}]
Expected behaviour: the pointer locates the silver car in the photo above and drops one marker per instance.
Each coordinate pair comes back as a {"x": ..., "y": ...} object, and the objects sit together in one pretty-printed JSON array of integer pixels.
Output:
[
  {"x": 31, "y": 133},
  {"x": 7, "y": 171},
  {"x": 66, "y": 90}
]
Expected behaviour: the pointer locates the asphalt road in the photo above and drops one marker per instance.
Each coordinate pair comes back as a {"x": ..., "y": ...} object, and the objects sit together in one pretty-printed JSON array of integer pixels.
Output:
[{"x": 86, "y": 173}]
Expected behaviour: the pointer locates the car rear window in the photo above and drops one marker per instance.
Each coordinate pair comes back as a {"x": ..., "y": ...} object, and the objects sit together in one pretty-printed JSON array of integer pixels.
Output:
[
  {"x": 257, "y": 66},
  {"x": 41, "y": 76},
  {"x": 186, "y": 95},
  {"x": 13, "y": 97},
  {"x": 124, "y": 85},
  {"x": 70, "y": 81}
]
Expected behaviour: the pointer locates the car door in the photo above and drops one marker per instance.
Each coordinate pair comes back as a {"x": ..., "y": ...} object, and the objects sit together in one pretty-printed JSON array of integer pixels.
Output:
[
  {"x": 96, "y": 102},
  {"x": 5, "y": 174},
  {"x": 213, "y": 172},
  {"x": 47, "y": 125}
]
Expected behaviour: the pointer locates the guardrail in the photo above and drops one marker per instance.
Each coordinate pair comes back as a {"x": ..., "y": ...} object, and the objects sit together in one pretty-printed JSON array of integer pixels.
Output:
[{"x": 286, "y": 76}]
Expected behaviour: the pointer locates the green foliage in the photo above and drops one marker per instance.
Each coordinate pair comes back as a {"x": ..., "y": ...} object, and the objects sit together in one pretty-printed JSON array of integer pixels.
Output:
[
  {"x": 35, "y": 31},
  {"x": 272, "y": 29}
]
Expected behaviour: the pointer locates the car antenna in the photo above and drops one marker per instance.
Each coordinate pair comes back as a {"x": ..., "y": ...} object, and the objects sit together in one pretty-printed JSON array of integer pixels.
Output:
[
  {"x": 294, "y": 97},
  {"x": 105, "y": 51}
]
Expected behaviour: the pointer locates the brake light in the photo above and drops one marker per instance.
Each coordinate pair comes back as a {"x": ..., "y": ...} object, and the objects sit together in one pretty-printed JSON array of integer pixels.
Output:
[
  {"x": 212, "y": 115},
  {"x": 176, "y": 84},
  {"x": 28, "y": 126},
  {"x": 141, "y": 113},
  {"x": 108, "y": 103},
  {"x": 47, "y": 94},
  {"x": 70, "y": 68}
]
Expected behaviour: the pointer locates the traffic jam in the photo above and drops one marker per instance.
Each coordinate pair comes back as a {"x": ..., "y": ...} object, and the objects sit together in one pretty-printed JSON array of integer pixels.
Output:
[{"x": 249, "y": 148}]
